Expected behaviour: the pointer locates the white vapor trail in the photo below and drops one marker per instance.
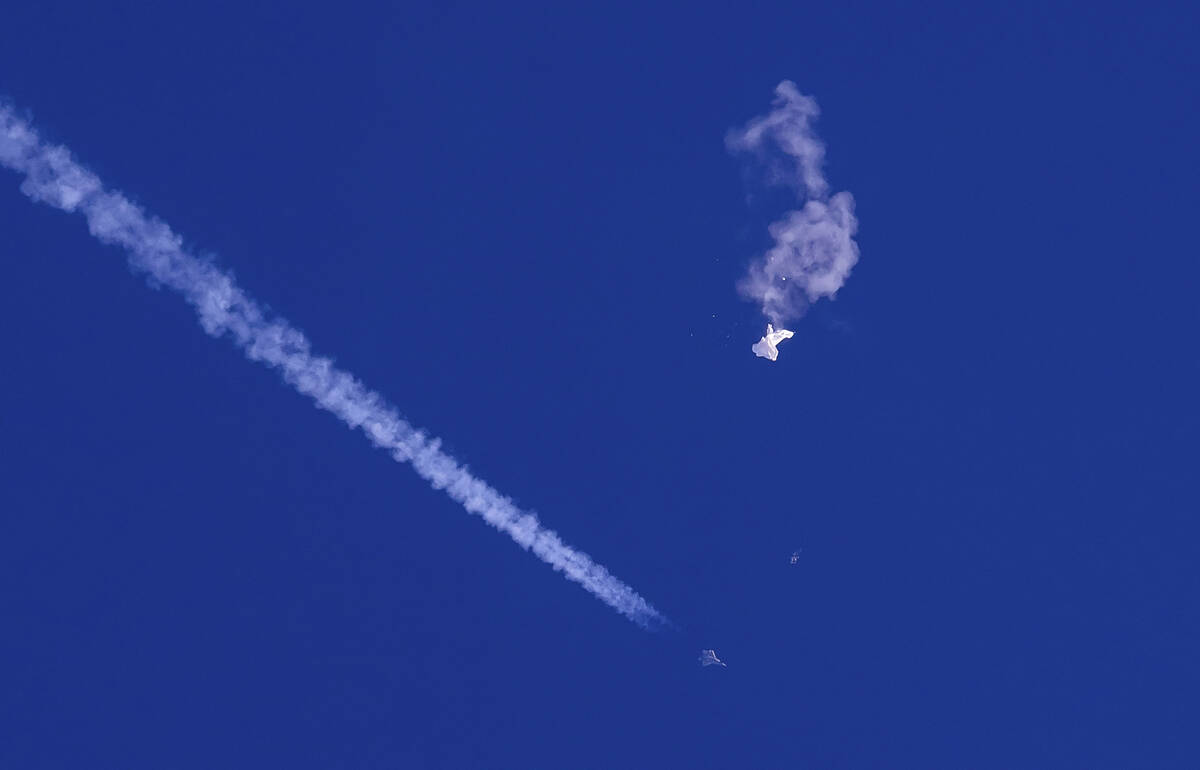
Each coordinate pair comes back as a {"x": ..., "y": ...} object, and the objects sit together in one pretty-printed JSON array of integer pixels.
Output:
[
  {"x": 814, "y": 247},
  {"x": 53, "y": 177}
]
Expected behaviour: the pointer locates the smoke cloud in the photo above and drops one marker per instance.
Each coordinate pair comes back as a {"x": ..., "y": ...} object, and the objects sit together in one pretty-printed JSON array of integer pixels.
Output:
[
  {"x": 814, "y": 249},
  {"x": 224, "y": 309}
]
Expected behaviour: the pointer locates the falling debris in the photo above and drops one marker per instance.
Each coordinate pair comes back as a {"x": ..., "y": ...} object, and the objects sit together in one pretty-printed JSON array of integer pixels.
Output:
[
  {"x": 765, "y": 348},
  {"x": 709, "y": 658},
  {"x": 795, "y": 556}
]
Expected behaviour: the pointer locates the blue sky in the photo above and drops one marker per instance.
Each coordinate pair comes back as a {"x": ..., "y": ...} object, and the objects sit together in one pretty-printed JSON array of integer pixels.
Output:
[{"x": 522, "y": 227}]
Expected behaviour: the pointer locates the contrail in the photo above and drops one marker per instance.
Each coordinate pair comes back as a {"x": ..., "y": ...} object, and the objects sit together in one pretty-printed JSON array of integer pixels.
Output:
[
  {"x": 814, "y": 247},
  {"x": 53, "y": 177}
]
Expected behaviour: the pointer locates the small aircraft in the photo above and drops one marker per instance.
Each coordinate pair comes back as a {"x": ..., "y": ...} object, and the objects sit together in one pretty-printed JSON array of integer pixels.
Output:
[
  {"x": 709, "y": 658},
  {"x": 766, "y": 347}
]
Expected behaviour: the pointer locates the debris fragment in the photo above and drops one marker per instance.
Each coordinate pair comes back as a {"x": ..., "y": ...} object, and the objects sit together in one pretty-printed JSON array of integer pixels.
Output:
[{"x": 765, "y": 348}]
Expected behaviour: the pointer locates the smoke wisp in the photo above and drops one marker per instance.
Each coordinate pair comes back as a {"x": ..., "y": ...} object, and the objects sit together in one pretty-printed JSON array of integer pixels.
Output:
[
  {"x": 53, "y": 177},
  {"x": 814, "y": 249}
]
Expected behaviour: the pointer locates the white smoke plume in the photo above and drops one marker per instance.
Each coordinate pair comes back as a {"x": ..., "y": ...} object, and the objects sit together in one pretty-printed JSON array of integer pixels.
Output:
[
  {"x": 53, "y": 177},
  {"x": 814, "y": 247}
]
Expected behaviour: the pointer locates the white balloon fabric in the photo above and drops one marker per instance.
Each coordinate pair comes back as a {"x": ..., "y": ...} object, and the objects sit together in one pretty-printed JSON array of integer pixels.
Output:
[{"x": 766, "y": 347}]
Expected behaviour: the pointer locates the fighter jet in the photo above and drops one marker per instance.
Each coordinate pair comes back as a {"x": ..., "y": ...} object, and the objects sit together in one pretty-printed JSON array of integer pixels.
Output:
[
  {"x": 709, "y": 658},
  {"x": 765, "y": 348}
]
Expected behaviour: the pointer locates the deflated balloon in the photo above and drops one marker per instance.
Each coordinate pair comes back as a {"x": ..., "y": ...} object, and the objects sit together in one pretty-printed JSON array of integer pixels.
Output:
[{"x": 765, "y": 348}]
